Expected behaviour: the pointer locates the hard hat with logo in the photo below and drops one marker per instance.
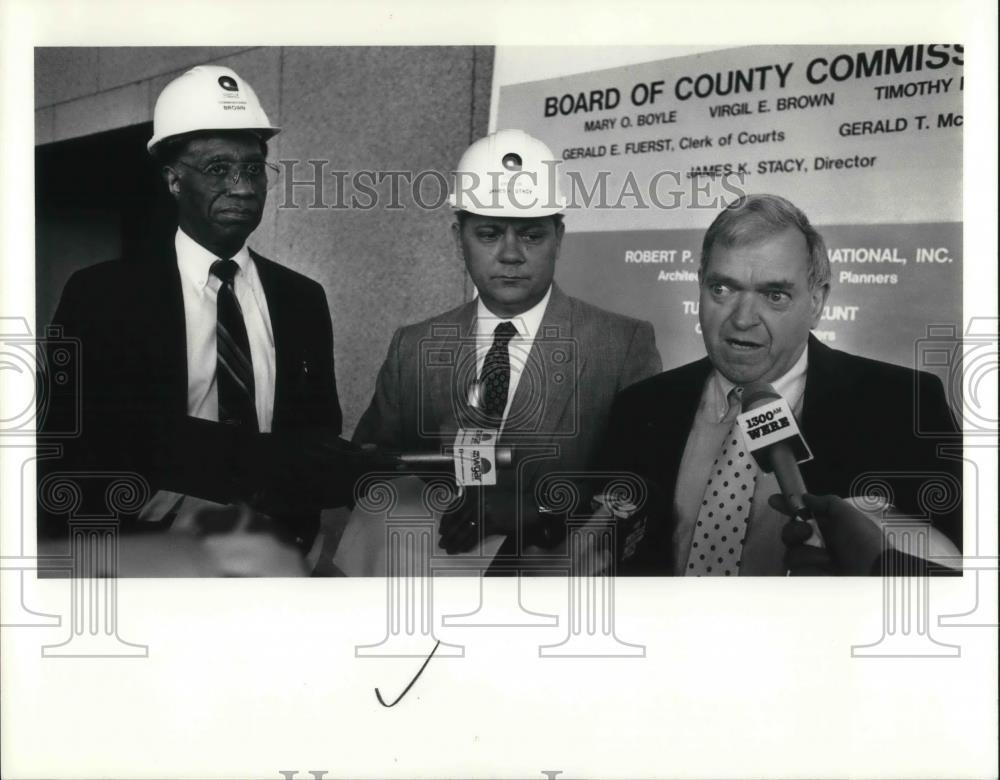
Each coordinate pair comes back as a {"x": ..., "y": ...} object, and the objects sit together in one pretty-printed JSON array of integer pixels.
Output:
[
  {"x": 508, "y": 174},
  {"x": 208, "y": 97}
]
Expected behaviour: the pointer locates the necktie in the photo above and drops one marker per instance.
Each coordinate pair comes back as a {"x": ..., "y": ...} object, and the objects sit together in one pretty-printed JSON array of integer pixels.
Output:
[
  {"x": 495, "y": 379},
  {"x": 234, "y": 366},
  {"x": 717, "y": 545}
]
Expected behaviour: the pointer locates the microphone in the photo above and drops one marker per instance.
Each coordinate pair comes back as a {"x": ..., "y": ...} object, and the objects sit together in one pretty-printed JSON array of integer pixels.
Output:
[
  {"x": 773, "y": 438},
  {"x": 445, "y": 458},
  {"x": 473, "y": 458}
]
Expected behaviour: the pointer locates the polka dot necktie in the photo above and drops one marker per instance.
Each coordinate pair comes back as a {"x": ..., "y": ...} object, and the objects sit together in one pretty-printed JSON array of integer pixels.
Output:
[
  {"x": 495, "y": 379},
  {"x": 234, "y": 366},
  {"x": 717, "y": 545}
]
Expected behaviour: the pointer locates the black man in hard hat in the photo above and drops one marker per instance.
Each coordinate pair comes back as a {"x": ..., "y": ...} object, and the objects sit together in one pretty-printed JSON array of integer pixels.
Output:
[
  {"x": 524, "y": 360},
  {"x": 207, "y": 368}
]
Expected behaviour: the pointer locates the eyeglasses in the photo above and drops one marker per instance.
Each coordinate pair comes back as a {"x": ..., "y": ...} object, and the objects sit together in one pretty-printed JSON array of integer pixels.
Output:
[{"x": 222, "y": 173}]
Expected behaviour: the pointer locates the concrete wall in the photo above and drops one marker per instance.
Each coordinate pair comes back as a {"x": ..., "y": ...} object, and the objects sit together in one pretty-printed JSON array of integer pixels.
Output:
[{"x": 379, "y": 109}]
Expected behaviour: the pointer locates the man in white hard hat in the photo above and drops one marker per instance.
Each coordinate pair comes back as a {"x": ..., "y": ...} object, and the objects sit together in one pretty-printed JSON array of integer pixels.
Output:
[
  {"x": 207, "y": 368},
  {"x": 523, "y": 358}
]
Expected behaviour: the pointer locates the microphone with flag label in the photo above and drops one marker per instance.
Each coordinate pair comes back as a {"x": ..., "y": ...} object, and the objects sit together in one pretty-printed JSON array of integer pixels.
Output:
[
  {"x": 772, "y": 435},
  {"x": 474, "y": 456}
]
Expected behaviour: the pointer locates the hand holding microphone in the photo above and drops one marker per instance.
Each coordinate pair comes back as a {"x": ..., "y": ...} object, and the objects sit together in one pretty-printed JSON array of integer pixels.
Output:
[
  {"x": 305, "y": 470},
  {"x": 855, "y": 540},
  {"x": 480, "y": 508}
]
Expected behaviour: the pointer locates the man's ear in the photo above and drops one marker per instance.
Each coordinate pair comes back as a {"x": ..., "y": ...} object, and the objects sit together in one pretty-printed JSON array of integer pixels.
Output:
[
  {"x": 560, "y": 232},
  {"x": 819, "y": 294},
  {"x": 172, "y": 180},
  {"x": 456, "y": 232}
]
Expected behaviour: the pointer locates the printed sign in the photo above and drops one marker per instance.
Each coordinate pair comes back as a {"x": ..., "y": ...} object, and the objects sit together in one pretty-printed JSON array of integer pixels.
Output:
[
  {"x": 769, "y": 424},
  {"x": 866, "y": 140}
]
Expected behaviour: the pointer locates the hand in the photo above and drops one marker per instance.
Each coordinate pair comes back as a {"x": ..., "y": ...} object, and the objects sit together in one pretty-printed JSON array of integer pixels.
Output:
[
  {"x": 460, "y": 526},
  {"x": 485, "y": 511},
  {"x": 853, "y": 539},
  {"x": 302, "y": 471}
]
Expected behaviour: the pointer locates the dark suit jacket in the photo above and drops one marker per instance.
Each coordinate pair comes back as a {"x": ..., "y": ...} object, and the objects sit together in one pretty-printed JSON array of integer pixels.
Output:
[
  {"x": 581, "y": 357},
  {"x": 859, "y": 417},
  {"x": 129, "y": 319}
]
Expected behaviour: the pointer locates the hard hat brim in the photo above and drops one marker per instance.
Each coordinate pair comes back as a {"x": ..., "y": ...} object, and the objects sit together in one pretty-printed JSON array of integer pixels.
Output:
[
  {"x": 265, "y": 134},
  {"x": 507, "y": 211}
]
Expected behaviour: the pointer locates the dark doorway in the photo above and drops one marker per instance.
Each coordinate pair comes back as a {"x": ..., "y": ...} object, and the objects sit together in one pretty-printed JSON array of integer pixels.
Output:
[{"x": 96, "y": 198}]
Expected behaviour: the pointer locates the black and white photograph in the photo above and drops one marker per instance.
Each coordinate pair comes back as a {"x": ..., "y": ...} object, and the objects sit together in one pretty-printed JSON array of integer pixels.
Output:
[
  {"x": 416, "y": 401},
  {"x": 207, "y": 385}
]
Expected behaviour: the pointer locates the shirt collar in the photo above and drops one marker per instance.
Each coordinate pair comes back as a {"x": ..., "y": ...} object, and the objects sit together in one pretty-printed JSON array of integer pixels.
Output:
[
  {"x": 790, "y": 386},
  {"x": 195, "y": 262},
  {"x": 527, "y": 323}
]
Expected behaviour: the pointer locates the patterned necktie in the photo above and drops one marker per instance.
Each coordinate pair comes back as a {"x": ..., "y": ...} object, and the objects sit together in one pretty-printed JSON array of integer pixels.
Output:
[
  {"x": 234, "y": 366},
  {"x": 495, "y": 379},
  {"x": 717, "y": 545}
]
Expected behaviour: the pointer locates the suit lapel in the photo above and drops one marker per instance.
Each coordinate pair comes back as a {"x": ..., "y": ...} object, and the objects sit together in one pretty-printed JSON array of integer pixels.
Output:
[
  {"x": 549, "y": 382},
  {"x": 163, "y": 305},
  {"x": 552, "y": 371},
  {"x": 283, "y": 324},
  {"x": 818, "y": 425},
  {"x": 447, "y": 363},
  {"x": 672, "y": 425}
]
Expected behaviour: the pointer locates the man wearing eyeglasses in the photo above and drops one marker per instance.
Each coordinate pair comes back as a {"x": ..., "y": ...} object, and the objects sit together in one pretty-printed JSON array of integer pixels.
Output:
[{"x": 209, "y": 369}]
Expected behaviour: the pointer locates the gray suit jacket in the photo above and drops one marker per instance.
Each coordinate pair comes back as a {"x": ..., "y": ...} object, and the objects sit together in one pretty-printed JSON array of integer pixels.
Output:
[{"x": 581, "y": 357}]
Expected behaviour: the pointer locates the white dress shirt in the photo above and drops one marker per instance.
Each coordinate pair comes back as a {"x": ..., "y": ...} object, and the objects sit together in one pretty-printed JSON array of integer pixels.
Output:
[
  {"x": 200, "y": 289},
  {"x": 763, "y": 549},
  {"x": 519, "y": 347}
]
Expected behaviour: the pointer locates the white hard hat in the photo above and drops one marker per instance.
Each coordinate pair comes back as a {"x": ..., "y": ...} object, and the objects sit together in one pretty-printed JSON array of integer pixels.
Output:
[
  {"x": 508, "y": 174},
  {"x": 208, "y": 97}
]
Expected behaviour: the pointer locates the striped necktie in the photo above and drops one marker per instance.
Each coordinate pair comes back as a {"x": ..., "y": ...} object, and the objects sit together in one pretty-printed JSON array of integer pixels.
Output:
[{"x": 234, "y": 366}]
